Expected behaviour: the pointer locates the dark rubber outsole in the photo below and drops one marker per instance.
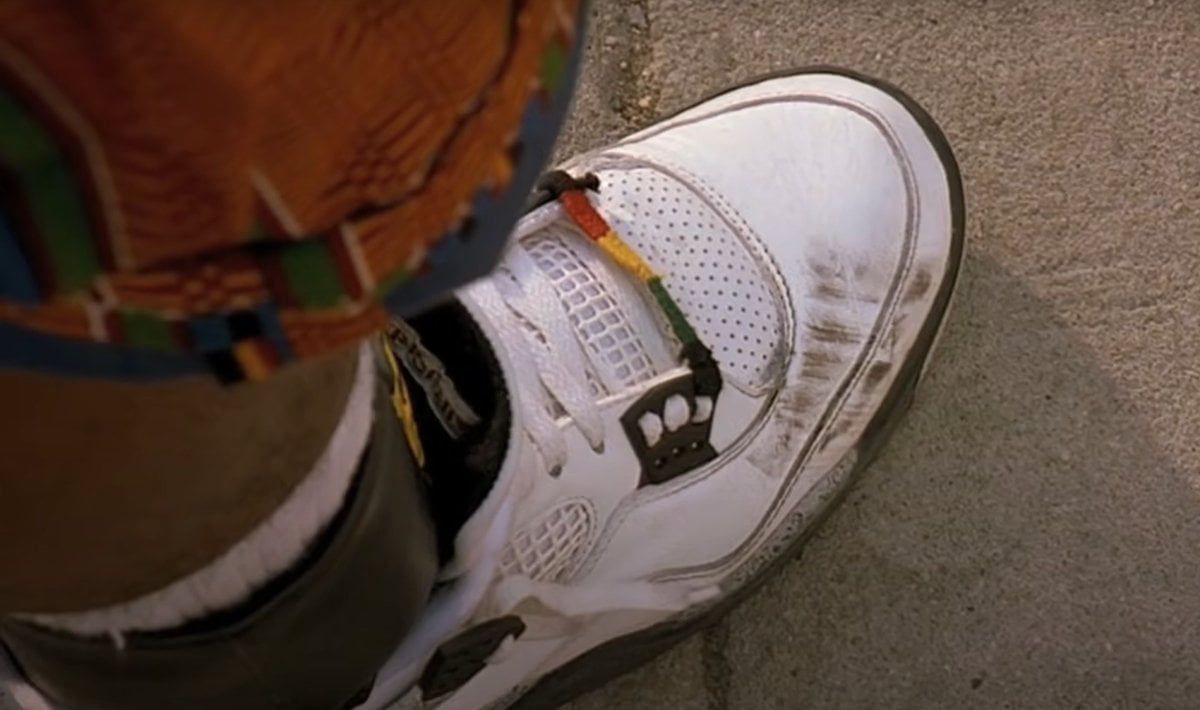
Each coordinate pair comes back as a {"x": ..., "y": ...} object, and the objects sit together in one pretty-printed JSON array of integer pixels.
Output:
[{"x": 624, "y": 654}]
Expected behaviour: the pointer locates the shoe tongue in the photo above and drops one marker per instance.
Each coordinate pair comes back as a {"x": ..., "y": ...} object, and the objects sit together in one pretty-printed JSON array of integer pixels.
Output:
[
  {"x": 613, "y": 321},
  {"x": 461, "y": 405}
]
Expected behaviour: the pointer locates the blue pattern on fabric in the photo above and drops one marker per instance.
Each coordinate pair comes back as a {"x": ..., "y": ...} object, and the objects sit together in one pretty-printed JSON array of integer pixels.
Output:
[
  {"x": 16, "y": 279},
  {"x": 210, "y": 333}
]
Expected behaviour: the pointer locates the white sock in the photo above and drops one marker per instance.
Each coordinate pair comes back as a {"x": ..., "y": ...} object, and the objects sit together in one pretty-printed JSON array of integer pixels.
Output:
[{"x": 267, "y": 551}]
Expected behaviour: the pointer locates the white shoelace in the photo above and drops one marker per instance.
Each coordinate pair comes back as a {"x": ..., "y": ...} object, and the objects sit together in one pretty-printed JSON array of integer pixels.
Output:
[{"x": 552, "y": 374}]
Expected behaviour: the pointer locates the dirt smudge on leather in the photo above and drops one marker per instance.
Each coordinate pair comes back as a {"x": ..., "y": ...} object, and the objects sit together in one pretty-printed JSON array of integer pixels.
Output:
[
  {"x": 823, "y": 270},
  {"x": 919, "y": 286},
  {"x": 828, "y": 330},
  {"x": 839, "y": 429},
  {"x": 817, "y": 362},
  {"x": 875, "y": 374},
  {"x": 794, "y": 417},
  {"x": 829, "y": 283},
  {"x": 831, "y": 290}
]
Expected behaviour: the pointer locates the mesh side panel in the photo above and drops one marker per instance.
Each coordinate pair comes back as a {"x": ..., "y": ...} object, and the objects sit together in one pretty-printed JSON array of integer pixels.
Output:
[
  {"x": 551, "y": 548},
  {"x": 602, "y": 328}
]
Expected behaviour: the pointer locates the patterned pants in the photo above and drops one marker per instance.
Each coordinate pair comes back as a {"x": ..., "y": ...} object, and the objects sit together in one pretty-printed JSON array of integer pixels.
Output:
[{"x": 235, "y": 185}]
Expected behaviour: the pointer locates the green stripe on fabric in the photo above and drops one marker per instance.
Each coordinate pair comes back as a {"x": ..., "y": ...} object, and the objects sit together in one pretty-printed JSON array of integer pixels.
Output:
[
  {"x": 675, "y": 318},
  {"x": 312, "y": 275},
  {"x": 392, "y": 281},
  {"x": 554, "y": 66},
  {"x": 145, "y": 330},
  {"x": 257, "y": 232},
  {"x": 55, "y": 201}
]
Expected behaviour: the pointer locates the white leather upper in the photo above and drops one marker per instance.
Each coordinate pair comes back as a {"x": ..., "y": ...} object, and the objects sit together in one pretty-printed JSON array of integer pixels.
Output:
[{"x": 803, "y": 224}]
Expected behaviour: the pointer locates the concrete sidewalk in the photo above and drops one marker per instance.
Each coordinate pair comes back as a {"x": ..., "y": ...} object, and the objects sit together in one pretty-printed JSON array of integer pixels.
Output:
[{"x": 1031, "y": 536}]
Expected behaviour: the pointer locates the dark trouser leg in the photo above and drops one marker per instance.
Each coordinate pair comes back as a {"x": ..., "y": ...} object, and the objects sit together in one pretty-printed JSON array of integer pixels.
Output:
[{"x": 313, "y": 639}]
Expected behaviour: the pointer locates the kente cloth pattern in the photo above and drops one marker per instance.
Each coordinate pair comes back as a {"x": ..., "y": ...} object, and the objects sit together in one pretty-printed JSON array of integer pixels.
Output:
[{"x": 236, "y": 185}]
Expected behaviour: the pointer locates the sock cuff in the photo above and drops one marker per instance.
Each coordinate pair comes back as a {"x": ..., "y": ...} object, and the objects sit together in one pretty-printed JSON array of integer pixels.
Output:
[{"x": 268, "y": 550}]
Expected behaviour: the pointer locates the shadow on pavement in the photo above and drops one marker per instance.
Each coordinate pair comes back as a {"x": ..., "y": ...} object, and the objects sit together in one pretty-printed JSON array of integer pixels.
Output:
[{"x": 1021, "y": 536}]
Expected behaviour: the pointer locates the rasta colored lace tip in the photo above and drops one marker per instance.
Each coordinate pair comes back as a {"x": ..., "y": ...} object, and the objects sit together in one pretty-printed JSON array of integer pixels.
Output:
[{"x": 570, "y": 192}]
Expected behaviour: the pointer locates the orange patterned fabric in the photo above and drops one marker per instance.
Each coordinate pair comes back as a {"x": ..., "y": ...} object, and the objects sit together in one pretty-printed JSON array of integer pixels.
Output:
[{"x": 291, "y": 159}]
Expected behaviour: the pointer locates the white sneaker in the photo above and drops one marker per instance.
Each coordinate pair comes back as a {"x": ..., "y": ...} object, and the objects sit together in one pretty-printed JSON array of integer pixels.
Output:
[
  {"x": 809, "y": 228},
  {"x": 808, "y": 231}
]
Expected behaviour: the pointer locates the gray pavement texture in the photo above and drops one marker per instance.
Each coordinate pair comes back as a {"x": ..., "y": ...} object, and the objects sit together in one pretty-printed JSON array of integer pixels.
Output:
[{"x": 1031, "y": 536}]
